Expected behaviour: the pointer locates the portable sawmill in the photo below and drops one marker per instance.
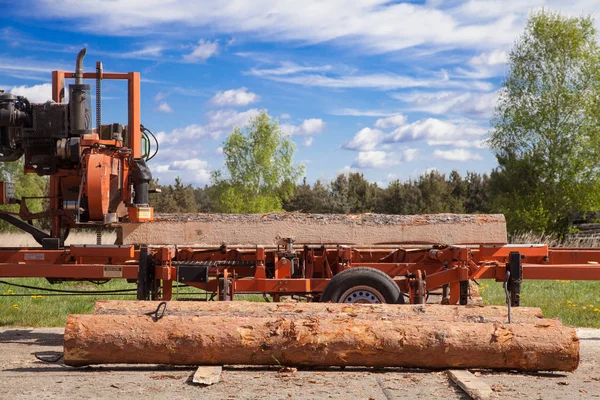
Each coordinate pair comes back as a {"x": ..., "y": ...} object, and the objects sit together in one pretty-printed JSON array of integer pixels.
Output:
[{"x": 98, "y": 178}]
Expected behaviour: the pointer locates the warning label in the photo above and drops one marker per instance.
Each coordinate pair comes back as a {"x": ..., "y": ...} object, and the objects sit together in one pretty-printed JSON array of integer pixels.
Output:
[
  {"x": 33, "y": 256},
  {"x": 113, "y": 272}
]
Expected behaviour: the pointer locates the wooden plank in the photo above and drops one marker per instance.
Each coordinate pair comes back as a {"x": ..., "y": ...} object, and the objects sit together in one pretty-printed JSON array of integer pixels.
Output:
[{"x": 474, "y": 387}]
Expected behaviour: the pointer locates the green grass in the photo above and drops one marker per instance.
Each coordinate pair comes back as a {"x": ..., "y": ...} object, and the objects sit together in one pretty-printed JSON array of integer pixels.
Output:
[
  {"x": 563, "y": 299},
  {"x": 575, "y": 303},
  {"x": 48, "y": 310}
]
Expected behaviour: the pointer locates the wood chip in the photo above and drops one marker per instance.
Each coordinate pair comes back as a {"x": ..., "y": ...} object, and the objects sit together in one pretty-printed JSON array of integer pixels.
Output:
[{"x": 207, "y": 375}]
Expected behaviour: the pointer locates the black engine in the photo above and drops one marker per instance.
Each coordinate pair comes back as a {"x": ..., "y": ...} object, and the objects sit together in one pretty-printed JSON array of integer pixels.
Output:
[{"x": 44, "y": 133}]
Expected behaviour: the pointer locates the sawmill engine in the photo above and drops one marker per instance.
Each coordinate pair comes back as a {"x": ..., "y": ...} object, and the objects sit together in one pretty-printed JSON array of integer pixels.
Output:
[
  {"x": 99, "y": 179},
  {"x": 47, "y": 134}
]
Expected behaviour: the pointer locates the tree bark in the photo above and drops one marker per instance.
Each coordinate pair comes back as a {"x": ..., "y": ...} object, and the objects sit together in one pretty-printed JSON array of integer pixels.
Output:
[
  {"x": 317, "y": 342},
  {"x": 426, "y": 312}
]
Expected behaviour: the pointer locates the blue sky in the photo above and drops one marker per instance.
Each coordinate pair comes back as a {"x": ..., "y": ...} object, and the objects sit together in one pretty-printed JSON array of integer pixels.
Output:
[{"x": 386, "y": 88}]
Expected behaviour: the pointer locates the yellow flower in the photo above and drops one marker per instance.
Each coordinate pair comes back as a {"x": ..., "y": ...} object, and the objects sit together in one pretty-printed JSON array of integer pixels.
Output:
[
  {"x": 591, "y": 306},
  {"x": 596, "y": 309},
  {"x": 15, "y": 306},
  {"x": 584, "y": 308},
  {"x": 36, "y": 297}
]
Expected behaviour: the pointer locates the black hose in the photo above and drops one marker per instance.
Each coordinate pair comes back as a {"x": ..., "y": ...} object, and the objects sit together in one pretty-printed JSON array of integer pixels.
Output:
[
  {"x": 144, "y": 129},
  {"x": 83, "y": 292}
]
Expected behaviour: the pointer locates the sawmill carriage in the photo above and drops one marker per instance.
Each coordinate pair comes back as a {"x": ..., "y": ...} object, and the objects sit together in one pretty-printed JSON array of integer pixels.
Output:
[{"x": 98, "y": 179}]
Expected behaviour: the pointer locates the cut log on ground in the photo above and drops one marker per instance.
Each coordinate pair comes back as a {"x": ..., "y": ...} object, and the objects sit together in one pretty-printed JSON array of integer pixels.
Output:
[
  {"x": 269, "y": 229},
  {"x": 316, "y": 342},
  {"x": 425, "y": 312}
]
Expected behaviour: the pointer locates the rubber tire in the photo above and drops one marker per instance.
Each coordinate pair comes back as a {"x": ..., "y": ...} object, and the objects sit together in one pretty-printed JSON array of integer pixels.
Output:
[{"x": 362, "y": 276}]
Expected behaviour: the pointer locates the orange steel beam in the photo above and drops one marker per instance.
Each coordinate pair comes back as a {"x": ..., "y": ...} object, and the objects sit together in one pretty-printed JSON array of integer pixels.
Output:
[{"x": 73, "y": 271}]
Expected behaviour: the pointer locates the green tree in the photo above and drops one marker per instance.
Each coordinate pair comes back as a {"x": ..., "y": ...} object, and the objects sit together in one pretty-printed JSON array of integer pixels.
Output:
[
  {"x": 545, "y": 129},
  {"x": 436, "y": 193},
  {"x": 260, "y": 171},
  {"x": 477, "y": 199}
]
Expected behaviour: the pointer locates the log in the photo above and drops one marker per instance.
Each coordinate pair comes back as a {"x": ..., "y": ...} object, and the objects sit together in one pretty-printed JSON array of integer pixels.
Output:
[
  {"x": 425, "y": 312},
  {"x": 315, "y": 342},
  {"x": 321, "y": 229}
]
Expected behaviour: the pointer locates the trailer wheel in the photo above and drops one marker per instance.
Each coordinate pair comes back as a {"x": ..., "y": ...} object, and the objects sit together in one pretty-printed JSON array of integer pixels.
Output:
[{"x": 362, "y": 285}]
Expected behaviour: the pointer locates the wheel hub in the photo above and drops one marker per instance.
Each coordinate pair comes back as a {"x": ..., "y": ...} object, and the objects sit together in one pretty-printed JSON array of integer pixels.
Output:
[{"x": 362, "y": 294}]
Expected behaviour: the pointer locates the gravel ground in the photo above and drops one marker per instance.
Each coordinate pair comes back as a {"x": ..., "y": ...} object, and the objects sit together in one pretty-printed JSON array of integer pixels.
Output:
[{"x": 22, "y": 376}]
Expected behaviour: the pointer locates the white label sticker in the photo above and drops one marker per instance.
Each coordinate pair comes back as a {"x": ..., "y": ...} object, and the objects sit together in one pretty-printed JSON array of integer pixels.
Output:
[
  {"x": 113, "y": 272},
  {"x": 33, "y": 256}
]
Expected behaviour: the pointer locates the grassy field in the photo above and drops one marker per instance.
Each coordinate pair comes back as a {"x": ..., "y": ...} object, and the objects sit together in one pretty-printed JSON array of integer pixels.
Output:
[
  {"x": 27, "y": 307},
  {"x": 575, "y": 303},
  {"x": 23, "y": 307}
]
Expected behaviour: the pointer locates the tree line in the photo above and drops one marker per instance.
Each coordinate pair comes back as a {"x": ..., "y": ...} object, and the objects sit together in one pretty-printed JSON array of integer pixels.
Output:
[{"x": 433, "y": 192}]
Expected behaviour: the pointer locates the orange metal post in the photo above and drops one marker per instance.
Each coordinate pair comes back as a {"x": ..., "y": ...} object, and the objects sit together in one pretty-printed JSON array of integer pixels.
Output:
[
  {"x": 58, "y": 86},
  {"x": 135, "y": 134}
]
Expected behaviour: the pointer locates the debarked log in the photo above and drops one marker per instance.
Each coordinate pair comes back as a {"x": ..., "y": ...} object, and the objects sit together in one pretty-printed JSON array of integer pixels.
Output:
[
  {"x": 316, "y": 342},
  {"x": 435, "y": 312},
  {"x": 322, "y": 229}
]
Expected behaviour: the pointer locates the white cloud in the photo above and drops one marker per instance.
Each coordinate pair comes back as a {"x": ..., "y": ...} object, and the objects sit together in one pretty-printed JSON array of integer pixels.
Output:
[
  {"x": 451, "y": 102},
  {"x": 219, "y": 151},
  {"x": 27, "y": 68},
  {"x": 191, "y": 164},
  {"x": 374, "y": 26},
  {"x": 308, "y": 141},
  {"x": 435, "y": 131},
  {"x": 456, "y": 155},
  {"x": 382, "y": 159},
  {"x": 160, "y": 168},
  {"x": 35, "y": 94},
  {"x": 284, "y": 116},
  {"x": 193, "y": 170},
  {"x": 378, "y": 81},
  {"x": 218, "y": 122},
  {"x": 164, "y": 107},
  {"x": 366, "y": 139},
  {"x": 353, "y": 112},
  {"x": 159, "y": 96},
  {"x": 287, "y": 68},
  {"x": 410, "y": 155},
  {"x": 308, "y": 127},
  {"x": 234, "y": 97},
  {"x": 389, "y": 122},
  {"x": 485, "y": 65},
  {"x": 150, "y": 50},
  {"x": 496, "y": 57},
  {"x": 346, "y": 170},
  {"x": 202, "y": 51}
]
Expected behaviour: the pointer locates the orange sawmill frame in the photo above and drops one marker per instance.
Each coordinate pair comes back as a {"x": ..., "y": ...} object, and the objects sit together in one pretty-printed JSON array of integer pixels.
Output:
[{"x": 267, "y": 270}]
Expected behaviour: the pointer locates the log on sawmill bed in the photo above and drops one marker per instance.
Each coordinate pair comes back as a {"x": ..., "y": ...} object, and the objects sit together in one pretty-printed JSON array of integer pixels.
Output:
[{"x": 271, "y": 228}]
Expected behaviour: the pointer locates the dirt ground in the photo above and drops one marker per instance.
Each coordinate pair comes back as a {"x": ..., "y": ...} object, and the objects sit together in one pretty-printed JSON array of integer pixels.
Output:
[{"x": 22, "y": 376}]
